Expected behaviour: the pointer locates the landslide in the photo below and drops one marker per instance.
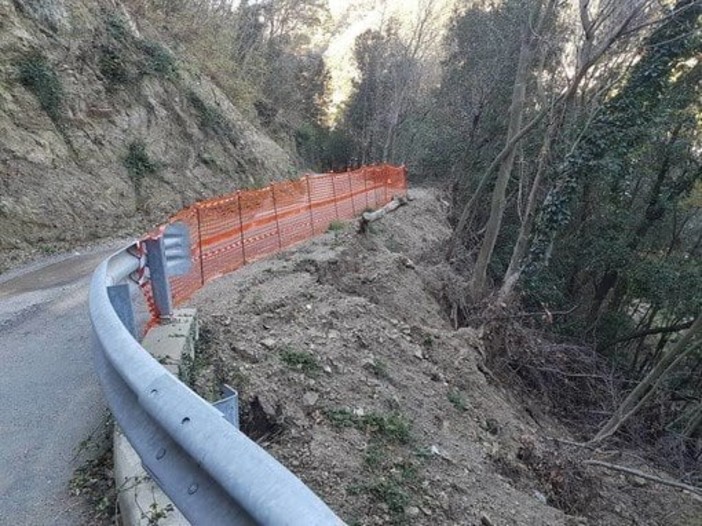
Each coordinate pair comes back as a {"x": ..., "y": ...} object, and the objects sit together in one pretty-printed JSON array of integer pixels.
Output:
[
  {"x": 104, "y": 129},
  {"x": 350, "y": 373}
]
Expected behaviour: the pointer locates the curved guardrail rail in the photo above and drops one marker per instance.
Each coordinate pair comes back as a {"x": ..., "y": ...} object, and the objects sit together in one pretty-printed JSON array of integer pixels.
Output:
[{"x": 211, "y": 471}]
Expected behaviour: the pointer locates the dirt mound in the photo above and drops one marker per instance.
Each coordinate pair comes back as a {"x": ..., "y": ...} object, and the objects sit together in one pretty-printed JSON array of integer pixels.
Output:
[{"x": 351, "y": 375}]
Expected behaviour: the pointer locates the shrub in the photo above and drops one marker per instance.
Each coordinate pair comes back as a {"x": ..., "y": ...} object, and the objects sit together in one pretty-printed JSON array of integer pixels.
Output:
[
  {"x": 112, "y": 66},
  {"x": 138, "y": 163},
  {"x": 37, "y": 75},
  {"x": 210, "y": 117},
  {"x": 159, "y": 60}
]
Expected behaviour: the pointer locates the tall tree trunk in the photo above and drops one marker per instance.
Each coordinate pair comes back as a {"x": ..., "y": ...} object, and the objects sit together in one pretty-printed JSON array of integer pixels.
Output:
[
  {"x": 643, "y": 391},
  {"x": 520, "y": 248},
  {"x": 497, "y": 209}
]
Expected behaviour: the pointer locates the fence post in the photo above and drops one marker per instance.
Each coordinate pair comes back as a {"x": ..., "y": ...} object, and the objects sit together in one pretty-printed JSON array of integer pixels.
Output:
[
  {"x": 365, "y": 186},
  {"x": 241, "y": 227},
  {"x": 353, "y": 205},
  {"x": 275, "y": 212},
  {"x": 385, "y": 183},
  {"x": 199, "y": 243},
  {"x": 309, "y": 200},
  {"x": 336, "y": 207}
]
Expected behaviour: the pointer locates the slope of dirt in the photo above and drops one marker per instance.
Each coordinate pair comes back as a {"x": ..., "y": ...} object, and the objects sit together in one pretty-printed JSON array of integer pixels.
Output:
[
  {"x": 104, "y": 129},
  {"x": 350, "y": 374}
]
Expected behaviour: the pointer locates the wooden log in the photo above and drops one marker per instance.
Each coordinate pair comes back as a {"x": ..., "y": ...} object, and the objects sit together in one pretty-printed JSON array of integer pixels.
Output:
[{"x": 369, "y": 217}]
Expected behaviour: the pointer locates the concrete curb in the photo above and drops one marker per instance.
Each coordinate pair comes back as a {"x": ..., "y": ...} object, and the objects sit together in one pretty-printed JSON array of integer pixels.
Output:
[{"x": 141, "y": 501}]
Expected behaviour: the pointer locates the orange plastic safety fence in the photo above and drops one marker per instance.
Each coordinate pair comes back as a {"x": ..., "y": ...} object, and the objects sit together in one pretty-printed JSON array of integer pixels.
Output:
[{"x": 230, "y": 231}]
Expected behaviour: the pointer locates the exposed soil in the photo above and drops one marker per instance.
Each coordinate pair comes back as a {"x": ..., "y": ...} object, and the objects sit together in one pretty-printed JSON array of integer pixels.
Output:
[{"x": 352, "y": 376}]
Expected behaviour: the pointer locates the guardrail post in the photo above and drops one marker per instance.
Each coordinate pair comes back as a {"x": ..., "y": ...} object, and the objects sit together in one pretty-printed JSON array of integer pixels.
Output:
[
  {"x": 121, "y": 300},
  {"x": 156, "y": 261},
  {"x": 229, "y": 405}
]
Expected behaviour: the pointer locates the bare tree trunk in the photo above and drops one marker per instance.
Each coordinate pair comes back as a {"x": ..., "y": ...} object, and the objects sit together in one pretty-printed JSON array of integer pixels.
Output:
[
  {"x": 586, "y": 60},
  {"x": 643, "y": 391},
  {"x": 516, "y": 113},
  {"x": 520, "y": 248}
]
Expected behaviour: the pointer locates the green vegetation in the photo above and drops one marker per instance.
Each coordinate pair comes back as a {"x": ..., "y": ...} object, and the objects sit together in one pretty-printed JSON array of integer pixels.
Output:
[
  {"x": 456, "y": 398},
  {"x": 391, "y": 492},
  {"x": 112, "y": 66},
  {"x": 211, "y": 118},
  {"x": 336, "y": 226},
  {"x": 379, "y": 368},
  {"x": 159, "y": 61},
  {"x": 392, "y": 473},
  {"x": 301, "y": 361},
  {"x": 38, "y": 76},
  {"x": 117, "y": 27},
  {"x": 138, "y": 163},
  {"x": 124, "y": 59},
  {"x": 392, "y": 427}
]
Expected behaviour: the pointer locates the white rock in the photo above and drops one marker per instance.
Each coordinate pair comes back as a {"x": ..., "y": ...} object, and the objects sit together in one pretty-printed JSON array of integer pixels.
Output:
[
  {"x": 310, "y": 398},
  {"x": 268, "y": 343}
]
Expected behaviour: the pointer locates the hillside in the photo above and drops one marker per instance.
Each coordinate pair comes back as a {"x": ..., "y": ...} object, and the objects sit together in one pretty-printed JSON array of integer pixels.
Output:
[
  {"x": 350, "y": 373},
  {"x": 103, "y": 129}
]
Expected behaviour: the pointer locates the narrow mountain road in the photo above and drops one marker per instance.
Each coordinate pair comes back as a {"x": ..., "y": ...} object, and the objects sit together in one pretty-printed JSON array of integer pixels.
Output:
[{"x": 50, "y": 399}]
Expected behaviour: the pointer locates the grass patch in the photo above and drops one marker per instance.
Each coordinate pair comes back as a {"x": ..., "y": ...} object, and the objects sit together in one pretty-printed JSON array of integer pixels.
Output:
[
  {"x": 393, "y": 484},
  {"x": 456, "y": 398},
  {"x": 93, "y": 481},
  {"x": 138, "y": 163},
  {"x": 301, "y": 361},
  {"x": 38, "y": 76},
  {"x": 393, "y": 427},
  {"x": 379, "y": 368},
  {"x": 336, "y": 226},
  {"x": 392, "y": 493}
]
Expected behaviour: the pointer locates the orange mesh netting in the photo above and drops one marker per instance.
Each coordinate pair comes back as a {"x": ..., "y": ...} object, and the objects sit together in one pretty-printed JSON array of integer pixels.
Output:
[{"x": 229, "y": 231}]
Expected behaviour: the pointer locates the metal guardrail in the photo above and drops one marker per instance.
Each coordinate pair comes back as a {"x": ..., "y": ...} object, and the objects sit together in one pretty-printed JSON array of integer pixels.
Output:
[{"x": 211, "y": 471}]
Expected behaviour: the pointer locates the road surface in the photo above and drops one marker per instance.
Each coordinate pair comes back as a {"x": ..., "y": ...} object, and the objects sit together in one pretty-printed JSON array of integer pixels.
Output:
[{"x": 50, "y": 399}]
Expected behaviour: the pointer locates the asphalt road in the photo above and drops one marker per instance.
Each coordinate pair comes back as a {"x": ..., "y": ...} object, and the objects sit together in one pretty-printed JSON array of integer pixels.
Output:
[{"x": 50, "y": 399}]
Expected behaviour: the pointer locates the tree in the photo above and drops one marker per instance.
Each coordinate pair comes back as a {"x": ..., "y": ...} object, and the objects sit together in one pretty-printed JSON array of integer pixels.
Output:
[
  {"x": 645, "y": 389},
  {"x": 530, "y": 34}
]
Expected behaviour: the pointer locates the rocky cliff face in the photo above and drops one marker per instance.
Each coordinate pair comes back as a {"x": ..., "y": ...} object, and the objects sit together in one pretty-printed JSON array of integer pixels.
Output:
[{"x": 103, "y": 128}]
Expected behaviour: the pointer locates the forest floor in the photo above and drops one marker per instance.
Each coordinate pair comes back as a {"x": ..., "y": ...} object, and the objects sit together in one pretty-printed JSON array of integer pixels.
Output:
[{"x": 350, "y": 374}]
